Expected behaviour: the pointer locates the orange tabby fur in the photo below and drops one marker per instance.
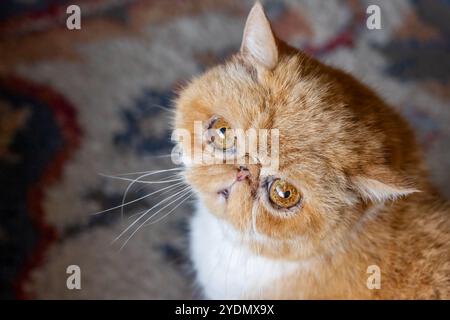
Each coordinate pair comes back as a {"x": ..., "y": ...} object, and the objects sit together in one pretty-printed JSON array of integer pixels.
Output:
[{"x": 367, "y": 199}]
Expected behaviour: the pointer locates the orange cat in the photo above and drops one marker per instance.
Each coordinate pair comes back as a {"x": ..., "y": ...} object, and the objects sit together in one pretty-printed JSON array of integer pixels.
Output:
[{"x": 348, "y": 214}]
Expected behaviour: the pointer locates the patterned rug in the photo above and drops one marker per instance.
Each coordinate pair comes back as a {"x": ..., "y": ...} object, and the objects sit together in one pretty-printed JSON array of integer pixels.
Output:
[{"x": 76, "y": 104}]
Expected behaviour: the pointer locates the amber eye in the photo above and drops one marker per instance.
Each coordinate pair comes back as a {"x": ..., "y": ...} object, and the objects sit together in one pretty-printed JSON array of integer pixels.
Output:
[
  {"x": 223, "y": 137},
  {"x": 284, "y": 194}
]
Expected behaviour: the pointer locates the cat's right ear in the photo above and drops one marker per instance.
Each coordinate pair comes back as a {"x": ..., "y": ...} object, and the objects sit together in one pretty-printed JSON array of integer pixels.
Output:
[
  {"x": 379, "y": 184},
  {"x": 259, "y": 46}
]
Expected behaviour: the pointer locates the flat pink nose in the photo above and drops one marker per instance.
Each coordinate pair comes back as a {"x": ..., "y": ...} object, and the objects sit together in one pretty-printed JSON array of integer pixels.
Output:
[{"x": 242, "y": 174}]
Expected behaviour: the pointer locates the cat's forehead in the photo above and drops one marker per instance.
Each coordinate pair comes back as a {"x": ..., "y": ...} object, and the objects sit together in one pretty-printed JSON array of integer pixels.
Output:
[
  {"x": 299, "y": 104},
  {"x": 234, "y": 91}
]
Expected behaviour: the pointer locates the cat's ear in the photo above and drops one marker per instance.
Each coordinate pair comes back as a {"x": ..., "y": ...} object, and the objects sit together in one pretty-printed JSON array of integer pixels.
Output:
[
  {"x": 381, "y": 184},
  {"x": 258, "y": 42}
]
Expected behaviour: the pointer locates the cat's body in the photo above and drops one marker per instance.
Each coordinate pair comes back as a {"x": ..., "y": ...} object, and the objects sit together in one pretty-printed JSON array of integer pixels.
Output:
[
  {"x": 350, "y": 197},
  {"x": 409, "y": 256}
]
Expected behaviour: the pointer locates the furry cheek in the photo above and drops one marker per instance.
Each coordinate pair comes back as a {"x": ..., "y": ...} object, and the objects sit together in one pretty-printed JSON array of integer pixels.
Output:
[
  {"x": 305, "y": 222},
  {"x": 239, "y": 206},
  {"x": 209, "y": 181}
]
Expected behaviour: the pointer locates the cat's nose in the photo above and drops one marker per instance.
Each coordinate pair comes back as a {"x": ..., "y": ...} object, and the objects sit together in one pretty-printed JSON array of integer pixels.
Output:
[
  {"x": 242, "y": 174},
  {"x": 249, "y": 171}
]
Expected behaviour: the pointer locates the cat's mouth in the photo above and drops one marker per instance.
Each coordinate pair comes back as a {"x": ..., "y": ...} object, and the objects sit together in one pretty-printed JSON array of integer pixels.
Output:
[
  {"x": 225, "y": 193},
  {"x": 242, "y": 174}
]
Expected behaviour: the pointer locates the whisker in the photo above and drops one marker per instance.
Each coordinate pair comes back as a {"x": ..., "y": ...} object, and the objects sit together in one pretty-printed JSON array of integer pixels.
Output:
[
  {"x": 166, "y": 214},
  {"x": 142, "y": 181},
  {"x": 144, "y": 172},
  {"x": 164, "y": 108},
  {"x": 138, "y": 199},
  {"x": 175, "y": 189},
  {"x": 155, "y": 206},
  {"x": 172, "y": 176},
  {"x": 129, "y": 187},
  {"x": 137, "y": 214},
  {"x": 164, "y": 179},
  {"x": 146, "y": 220}
]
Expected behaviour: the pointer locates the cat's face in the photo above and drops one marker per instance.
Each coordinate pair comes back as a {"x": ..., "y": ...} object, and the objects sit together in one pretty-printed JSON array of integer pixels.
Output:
[{"x": 336, "y": 157}]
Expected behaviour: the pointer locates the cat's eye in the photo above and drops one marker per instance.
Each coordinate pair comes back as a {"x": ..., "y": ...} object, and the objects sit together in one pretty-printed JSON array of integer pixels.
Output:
[
  {"x": 283, "y": 194},
  {"x": 223, "y": 136}
]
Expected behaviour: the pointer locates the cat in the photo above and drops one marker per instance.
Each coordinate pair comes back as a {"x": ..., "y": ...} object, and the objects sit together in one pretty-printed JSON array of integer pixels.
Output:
[{"x": 350, "y": 212}]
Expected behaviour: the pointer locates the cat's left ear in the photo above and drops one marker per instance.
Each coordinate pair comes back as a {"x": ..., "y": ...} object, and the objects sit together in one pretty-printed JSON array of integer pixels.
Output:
[
  {"x": 258, "y": 42},
  {"x": 381, "y": 184}
]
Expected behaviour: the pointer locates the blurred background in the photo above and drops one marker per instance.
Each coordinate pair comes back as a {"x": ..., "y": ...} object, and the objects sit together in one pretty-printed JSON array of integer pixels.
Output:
[{"x": 75, "y": 104}]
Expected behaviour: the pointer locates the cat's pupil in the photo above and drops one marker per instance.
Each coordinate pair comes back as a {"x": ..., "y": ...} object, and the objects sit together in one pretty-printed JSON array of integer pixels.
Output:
[
  {"x": 283, "y": 194},
  {"x": 223, "y": 130}
]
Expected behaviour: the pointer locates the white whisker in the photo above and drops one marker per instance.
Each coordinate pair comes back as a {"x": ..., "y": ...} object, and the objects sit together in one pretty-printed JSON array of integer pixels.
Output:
[
  {"x": 131, "y": 184},
  {"x": 175, "y": 189},
  {"x": 143, "y": 181},
  {"x": 164, "y": 108},
  {"x": 146, "y": 220},
  {"x": 138, "y": 199},
  {"x": 164, "y": 179},
  {"x": 144, "y": 172},
  {"x": 166, "y": 214},
  {"x": 155, "y": 206}
]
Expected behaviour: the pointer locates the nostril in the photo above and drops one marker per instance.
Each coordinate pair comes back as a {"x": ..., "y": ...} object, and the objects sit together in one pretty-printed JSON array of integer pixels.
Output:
[{"x": 242, "y": 174}]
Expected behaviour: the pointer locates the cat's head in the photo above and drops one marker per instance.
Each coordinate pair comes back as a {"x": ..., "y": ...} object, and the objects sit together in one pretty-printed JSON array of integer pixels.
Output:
[{"x": 341, "y": 149}]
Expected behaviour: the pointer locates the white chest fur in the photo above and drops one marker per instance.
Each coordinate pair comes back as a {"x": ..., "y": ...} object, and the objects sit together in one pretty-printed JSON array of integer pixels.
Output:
[{"x": 225, "y": 268}]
